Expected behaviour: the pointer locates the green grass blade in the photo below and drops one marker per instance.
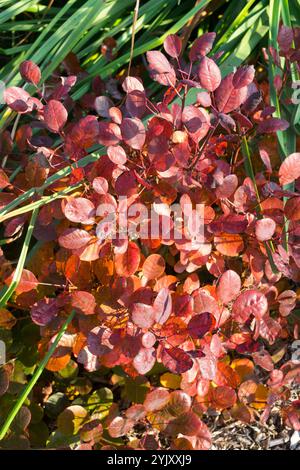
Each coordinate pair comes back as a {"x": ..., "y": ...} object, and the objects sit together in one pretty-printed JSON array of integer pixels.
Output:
[
  {"x": 235, "y": 24},
  {"x": 16, "y": 9}
]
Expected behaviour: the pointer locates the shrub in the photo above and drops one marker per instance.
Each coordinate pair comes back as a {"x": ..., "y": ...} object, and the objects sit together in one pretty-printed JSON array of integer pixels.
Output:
[{"x": 193, "y": 319}]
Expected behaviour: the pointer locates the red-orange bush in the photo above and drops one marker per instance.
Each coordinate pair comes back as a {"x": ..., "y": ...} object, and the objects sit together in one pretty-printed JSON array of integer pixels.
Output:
[{"x": 210, "y": 312}]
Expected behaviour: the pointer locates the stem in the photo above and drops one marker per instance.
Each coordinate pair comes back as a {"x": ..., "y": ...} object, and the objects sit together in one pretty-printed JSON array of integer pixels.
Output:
[
  {"x": 13, "y": 413},
  {"x": 135, "y": 17}
]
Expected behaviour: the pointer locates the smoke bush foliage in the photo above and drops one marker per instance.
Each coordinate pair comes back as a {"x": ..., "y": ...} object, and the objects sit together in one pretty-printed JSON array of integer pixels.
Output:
[{"x": 185, "y": 326}]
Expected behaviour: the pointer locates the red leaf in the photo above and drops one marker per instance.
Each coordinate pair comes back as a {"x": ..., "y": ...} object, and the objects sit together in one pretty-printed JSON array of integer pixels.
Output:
[
  {"x": 209, "y": 74},
  {"x": 227, "y": 122},
  {"x": 229, "y": 244},
  {"x": 228, "y": 187},
  {"x": 100, "y": 185},
  {"x": 156, "y": 400},
  {"x": 200, "y": 324},
  {"x": 109, "y": 133},
  {"x": 176, "y": 360},
  {"x": 227, "y": 376},
  {"x": 74, "y": 238},
  {"x": 182, "y": 154},
  {"x": 135, "y": 412},
  {"x": 131, "y": 84},
  {"x": 162, "y": 306},
  {"x": 263, "y": 359},
  {"x": 208, "y": 366},
  {"x": 188, "y": 424},
  {"x": 153, "y": 267},
  {"x": 98, "y": 341},
  {"x": 252, "y": 102},
  {"x": 223, "y": 397},
  {"x": 136, "y": 103},
  {"x": 14, "y": 225},
  {"x": 143, "y": 315},
  {"x": 80, "y": 210},
  {"x": 126, "y": 184},
  {"x": 292, "y": 208},
  {"x": 17, "y": 99},
  {"x": 148, "y": 339},
  {"x": 83, "y": 302},
  {"x": 117, "y": 154},
  {"x": 289, "y": 170},
  {"x": 250, "y": 302},
  {"x": 82, "y": 135},
  {"x": 269, "y": 329},
  {"x": 173, "y": 45},
  {"x": 242, "y": 120},
  {"x": 202, "y": 46},
  {"x": 287, "y": 302},
  {"x": 160, "y": 68},
  {"x": 144, "y": 360},
  {"x": 203, "y": 98},
  {"x": 120, "y": 426},
  {"x": 196, "y": 121},
  {"x": 159, "y": 62},
  {"x": 243, "y": 76},
  {"x": 229, "y": 286},
  {"x": 4, "y": 180},
  {"x": 264, "y": 229},
  {"x": 265, "y": 159},
  {"x": 227, "y": 97},
  {"x": 133, "y": 132},
  {"x": 27, "y": 282},
  {"x": 115, "y": 114},
  {"x": 203, "y": 439},
  {"x": 30, "y": 72},
  {"x": 102, "y": 105},
  {"x": 127, "y": 263},
  {"x": 55, "y": 116}
]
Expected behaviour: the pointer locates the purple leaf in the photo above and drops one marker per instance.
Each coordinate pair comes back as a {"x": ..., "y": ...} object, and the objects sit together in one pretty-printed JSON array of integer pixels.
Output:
[
  {"x": 200, "y": 324},
  {"x": 74, "y": 238},
  {"x": 209, "y": 74},
  {"x": 17, "y": 99},
  {"x": 133, "y": 132},
  {"x": 272, "y": 125},
  {"x": 202, "y": 46},
  {"x": 55, "y": 116},
  {"x": 196, "y": 120},
  {"x": 30, "y": 72},
  {"x": 160, "y": 68},
  {"x": 227, "y": 97},
  {"x": 162, "y": 306},
  {"x": 136, "y": 103},
  {"x": 173, "y": 45},
  {"x": 243, "y": 76},
  {"x": 44, "y": 311}
]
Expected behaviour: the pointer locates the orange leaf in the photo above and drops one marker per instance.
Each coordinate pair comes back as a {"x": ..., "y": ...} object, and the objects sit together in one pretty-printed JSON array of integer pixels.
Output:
[{"x": 229, "y": 244}]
